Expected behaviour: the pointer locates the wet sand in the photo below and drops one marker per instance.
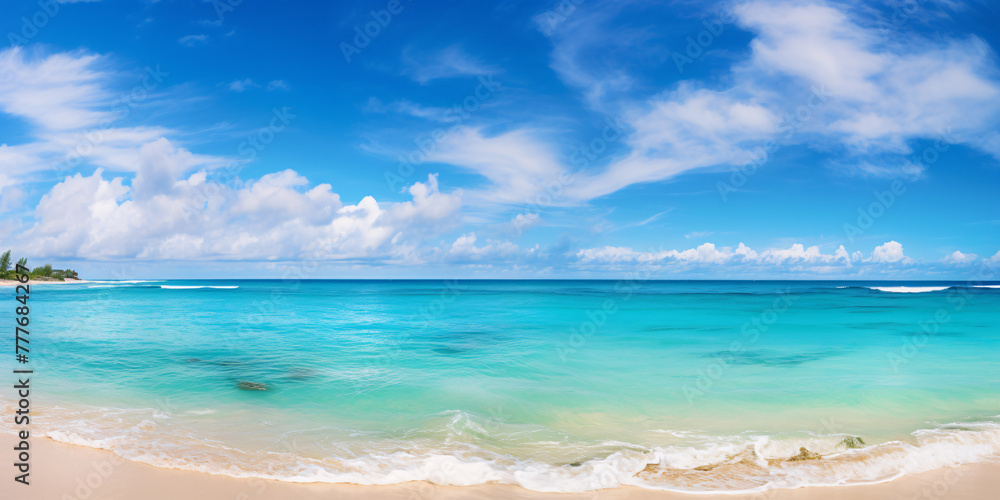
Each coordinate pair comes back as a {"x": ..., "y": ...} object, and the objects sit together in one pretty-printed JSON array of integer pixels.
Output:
[{"x": 67, "y": 472}]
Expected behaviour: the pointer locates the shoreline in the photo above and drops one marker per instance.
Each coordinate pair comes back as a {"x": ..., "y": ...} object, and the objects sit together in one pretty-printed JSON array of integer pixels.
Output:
[
  {"x": 65, "y": 471},
  {"x": 37, "y": 282}
]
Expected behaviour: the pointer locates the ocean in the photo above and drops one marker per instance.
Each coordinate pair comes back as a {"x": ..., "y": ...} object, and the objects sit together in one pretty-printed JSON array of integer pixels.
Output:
[{"x": 559, "y": 386}]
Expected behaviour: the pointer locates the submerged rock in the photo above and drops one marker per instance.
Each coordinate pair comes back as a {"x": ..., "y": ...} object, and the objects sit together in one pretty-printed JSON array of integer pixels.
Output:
[
  {"x": 852, "y": 442},
  {"x": 193, "y": 360},
  {"x": 805, "y": 454},
  {"x": 243, "y": 385}
]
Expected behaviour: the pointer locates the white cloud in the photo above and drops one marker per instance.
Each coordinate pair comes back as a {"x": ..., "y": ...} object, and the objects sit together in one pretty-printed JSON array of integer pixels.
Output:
[
  {"x": 889, "y": 252},
  {"x": 448, "y": 63},
  {"x": 175, "y": 206},
  {"x": 59, "y": 92},
  {"x": 587, "y": 53},
  {"x": 192, "y": 40},
  {"x": 874, "y": 97},
  {"x": 679, "y": 131},
  {"x": 957, "y": 258},
  {"x": 241, "y": 85},
  {"x": 402, "y": 106},
  {"x": 190, "y": 217},
  {"x": 277, "y": 85},
  {"x": 900, "y": 170},
  {"x": 798, "y": 257},
  {"x": 884, "y": 94},
  {"x": 68, "y": 100},
  {"x": 698, "y": 234},
  {"x": 518, "y": 165},
  {"x": 464, "y": 248},
  {"x": 522, "y": 222}
]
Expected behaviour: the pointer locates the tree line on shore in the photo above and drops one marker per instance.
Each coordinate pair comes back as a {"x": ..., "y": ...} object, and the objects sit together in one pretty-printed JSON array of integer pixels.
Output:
[{"x": 8, "y": 270}]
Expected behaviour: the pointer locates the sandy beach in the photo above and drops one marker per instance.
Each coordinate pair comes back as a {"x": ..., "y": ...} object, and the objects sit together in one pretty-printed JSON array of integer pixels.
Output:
[{"x": 66, "y": 472}]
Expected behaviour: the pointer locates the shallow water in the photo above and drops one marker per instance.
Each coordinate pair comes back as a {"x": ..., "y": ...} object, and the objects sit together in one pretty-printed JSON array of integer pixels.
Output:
[{"x": 553, "y": 385}]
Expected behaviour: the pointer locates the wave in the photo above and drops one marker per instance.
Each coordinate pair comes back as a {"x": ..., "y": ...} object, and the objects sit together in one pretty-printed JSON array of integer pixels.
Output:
[
  {"x": 917, "y": 289},
  {"x": 909, "y": 289},
  {"x": 462, "y": 450},
  {"x": 124, "y": 282},
  {"x": 180, "y": 287}
]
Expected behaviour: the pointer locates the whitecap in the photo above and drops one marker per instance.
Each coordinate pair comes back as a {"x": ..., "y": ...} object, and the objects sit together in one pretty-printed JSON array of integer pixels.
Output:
[
  {"x": 909, "y": 289},
  {"x": 180, "y": 287}
]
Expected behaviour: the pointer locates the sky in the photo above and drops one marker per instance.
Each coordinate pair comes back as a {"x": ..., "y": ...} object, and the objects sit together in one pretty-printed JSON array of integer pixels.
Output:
[{"x": 511, "y": 139}]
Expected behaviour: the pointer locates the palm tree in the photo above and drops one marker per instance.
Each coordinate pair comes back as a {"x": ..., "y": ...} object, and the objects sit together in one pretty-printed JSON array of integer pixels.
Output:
[
  {"x": 23, "y": 262},
  {"x": 5, "y": 264}
]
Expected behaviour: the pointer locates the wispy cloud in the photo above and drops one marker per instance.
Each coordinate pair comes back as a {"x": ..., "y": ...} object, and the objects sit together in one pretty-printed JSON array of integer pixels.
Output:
[
  {"x": 241, "y": 85},
  {"x": 277, "y": 85},
  {"x": 192, "y": 40},
  {"x": 451, "y": 62},
  {"x": 865, "y": 97}
]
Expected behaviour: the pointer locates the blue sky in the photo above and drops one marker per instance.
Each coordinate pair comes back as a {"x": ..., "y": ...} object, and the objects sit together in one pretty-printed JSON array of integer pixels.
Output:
[{"x": 517, "y": 139}]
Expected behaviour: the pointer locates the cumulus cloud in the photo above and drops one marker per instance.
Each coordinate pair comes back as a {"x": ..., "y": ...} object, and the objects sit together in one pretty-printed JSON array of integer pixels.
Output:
[
  {"x": 171, "y": 203},
  {"x": 168, "y": 214},
  {"x": 464, "y": 248},
  {"x": 958, "y": 258},
  {"x": 890, "y": 252},
  {"x": 69, "y": 101},
  {"x": 708, "y": 255}
]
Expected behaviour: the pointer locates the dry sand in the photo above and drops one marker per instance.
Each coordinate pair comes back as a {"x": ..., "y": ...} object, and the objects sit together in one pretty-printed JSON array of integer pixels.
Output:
[{"x": 66, "y": 472}]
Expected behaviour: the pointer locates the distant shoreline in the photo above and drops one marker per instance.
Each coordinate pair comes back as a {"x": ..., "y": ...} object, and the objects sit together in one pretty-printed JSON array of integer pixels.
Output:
[{"x": 68, "y": 281}]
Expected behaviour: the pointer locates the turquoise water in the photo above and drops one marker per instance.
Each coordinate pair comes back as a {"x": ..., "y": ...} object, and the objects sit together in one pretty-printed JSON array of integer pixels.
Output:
[{"x": 553, "y": 385}]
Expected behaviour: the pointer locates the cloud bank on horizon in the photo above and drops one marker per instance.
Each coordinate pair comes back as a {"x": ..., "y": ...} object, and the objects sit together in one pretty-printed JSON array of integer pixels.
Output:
[{"x": 789, "y": 139}]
